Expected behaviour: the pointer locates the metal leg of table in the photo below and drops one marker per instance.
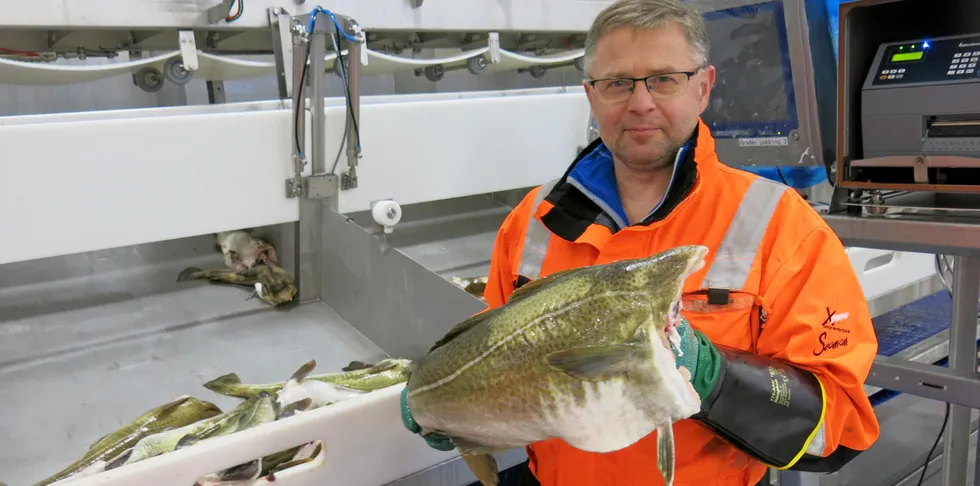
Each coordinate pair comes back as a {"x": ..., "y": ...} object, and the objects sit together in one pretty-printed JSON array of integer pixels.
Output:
[
  {"x": 797, "y": 478},
  {"x": 962, "y": 362}
]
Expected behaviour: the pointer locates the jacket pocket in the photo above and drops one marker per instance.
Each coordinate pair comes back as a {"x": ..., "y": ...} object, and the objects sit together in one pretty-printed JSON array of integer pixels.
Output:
[{"x": 734, "y": 320}]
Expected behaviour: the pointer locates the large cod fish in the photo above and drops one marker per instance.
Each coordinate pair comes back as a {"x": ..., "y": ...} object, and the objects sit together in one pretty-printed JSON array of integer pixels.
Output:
[{"x": 582, "y": 355}]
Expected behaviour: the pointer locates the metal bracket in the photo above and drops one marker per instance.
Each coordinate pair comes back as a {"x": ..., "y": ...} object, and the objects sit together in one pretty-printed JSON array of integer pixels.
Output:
[
  {"x": 323, "y": 186},
  {"x": 188, "y": 49},
  {"x": 219, "y": 12},
  {"x": 348, "y": 180}
]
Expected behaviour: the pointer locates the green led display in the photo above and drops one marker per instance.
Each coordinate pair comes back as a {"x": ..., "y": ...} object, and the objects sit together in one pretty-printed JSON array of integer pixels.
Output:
[{"x": 906, "y": 56}]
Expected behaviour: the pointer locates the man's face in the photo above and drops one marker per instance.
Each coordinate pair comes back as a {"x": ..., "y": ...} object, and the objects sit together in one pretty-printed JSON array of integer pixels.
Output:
[{"x": 642, "y": 129}]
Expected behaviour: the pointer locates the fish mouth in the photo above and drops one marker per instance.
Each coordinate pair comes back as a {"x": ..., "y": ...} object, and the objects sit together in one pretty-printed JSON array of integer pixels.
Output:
[{"x": 695, "y": 262}]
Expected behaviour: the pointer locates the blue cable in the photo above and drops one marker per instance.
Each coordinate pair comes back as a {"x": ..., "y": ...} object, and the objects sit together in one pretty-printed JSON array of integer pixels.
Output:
[{"x": 328, "y": 13}]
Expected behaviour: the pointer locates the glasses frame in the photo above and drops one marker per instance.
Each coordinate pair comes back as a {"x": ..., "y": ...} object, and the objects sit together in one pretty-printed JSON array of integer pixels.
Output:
[{"x": 689, "y": 74}]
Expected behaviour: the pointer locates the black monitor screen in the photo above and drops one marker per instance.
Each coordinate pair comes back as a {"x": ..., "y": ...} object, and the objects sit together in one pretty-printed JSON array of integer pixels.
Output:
[{"x": 753, "y": 93}]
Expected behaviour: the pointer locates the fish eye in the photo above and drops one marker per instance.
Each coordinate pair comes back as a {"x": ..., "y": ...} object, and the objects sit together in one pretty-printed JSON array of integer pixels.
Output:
[{"x": 675, "y": 309}]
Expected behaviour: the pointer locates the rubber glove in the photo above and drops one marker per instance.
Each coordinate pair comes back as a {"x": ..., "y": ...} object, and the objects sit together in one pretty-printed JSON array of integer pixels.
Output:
[
  {"x": 436, "y": 441},
  {"x": 699, "y": 356}
]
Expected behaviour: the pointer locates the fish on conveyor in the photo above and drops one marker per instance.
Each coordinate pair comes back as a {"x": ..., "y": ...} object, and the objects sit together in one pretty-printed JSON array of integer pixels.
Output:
[
  {"x": 271, "y": 283},
  {"x": 242, "y": 251},
  {"x": 582, "y": 355},
  {"x": 367, "y": 378},
  {"x": 246, "y": 474},
  {"x": 320, "y": 393},
  {"x": 474, "y": 286},
  {"x": 177, "y": 413},
  {"x": 250, "y": 413}
]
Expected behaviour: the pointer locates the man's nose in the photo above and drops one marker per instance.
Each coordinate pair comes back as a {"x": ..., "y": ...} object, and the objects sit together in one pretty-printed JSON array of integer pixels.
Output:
[{"x": 641, "y": 100}]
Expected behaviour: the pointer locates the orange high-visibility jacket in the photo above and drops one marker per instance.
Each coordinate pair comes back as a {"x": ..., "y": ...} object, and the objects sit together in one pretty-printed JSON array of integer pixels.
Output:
[{"x": 792, "y": 296}]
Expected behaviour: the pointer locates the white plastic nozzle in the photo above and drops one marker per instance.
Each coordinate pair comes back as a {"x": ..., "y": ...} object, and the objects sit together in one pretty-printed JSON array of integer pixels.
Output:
[{"x": 387, "y": 213}]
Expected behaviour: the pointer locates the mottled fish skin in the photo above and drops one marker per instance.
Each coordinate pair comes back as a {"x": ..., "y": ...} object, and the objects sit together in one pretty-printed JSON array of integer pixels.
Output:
[
  {"x": 383, "y": 374},
  {"x": 219, "y": 425},
  {"x": 272, "y": 284},
  {"x": 581, "y": 355},
  {"x": 177, "y": 413},
  {"x": 474, "y": 286}
]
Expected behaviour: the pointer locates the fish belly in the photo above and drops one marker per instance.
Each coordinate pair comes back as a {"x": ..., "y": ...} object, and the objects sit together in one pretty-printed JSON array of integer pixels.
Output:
[{"x": 603, "y": 416}]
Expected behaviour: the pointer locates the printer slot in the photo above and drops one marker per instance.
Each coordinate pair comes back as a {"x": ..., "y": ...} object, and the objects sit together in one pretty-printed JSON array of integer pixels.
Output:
[{"x": 953, "y": 126}]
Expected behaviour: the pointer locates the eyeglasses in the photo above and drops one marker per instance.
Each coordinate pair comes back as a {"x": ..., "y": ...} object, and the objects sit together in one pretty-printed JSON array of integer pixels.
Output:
[{"x": 663, "y": 85}]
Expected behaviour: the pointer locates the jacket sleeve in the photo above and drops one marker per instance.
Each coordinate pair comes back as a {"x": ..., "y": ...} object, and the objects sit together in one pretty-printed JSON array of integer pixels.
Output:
[
  {"x": 805, "y": 382},
  {"x": 506, "y": 248},
  {"x": 819, "y": 322}
]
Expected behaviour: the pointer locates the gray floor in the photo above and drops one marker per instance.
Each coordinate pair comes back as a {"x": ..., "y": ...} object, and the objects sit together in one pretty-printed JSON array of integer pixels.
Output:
[{"x": 909, "y": 426}]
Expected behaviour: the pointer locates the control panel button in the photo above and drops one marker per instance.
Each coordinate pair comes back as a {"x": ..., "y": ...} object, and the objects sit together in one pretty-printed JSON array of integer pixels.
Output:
[{"x": 957, "y": 55}]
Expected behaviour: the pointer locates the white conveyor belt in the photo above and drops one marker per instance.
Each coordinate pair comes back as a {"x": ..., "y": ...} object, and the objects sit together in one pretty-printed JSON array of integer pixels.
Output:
[{"x": 215, "y": 67}]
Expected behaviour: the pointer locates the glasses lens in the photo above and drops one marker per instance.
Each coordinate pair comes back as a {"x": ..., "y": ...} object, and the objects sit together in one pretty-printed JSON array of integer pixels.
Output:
[
  {"x": 615, "y": 89},
  {"x": 667, "y": 84},
  {"x": 660, "y": 86}
]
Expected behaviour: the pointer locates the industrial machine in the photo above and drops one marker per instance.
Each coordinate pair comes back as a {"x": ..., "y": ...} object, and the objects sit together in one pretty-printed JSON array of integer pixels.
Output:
[
  {"x": 907, "y": 180},
  {"x": 920, "y": 114},
  {"x": 378, "y": 144}
]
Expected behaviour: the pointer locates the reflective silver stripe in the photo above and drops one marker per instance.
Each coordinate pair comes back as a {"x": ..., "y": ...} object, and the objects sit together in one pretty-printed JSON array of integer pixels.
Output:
[
  {"x": 733, "y": 260},
  {"x": 819, "y": 441},
  {"x": 536, "y": 237}
]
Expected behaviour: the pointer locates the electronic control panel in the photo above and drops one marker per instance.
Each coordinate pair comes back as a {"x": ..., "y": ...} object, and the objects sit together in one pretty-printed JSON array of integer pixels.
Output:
[{"x": 949, "y": 59}]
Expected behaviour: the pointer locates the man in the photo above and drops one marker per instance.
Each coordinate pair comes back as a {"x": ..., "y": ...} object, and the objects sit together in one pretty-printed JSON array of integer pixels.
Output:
[{"x": 782, "y": 339}]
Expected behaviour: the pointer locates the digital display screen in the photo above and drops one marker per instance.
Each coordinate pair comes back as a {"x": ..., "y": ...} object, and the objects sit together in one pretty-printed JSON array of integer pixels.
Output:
[
  {"x": 907, "y": 56},
  {"x": 751, "y": 96}
]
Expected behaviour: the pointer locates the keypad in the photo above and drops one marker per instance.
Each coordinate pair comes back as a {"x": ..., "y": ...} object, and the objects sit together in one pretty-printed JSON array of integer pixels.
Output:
[
  {"x": 892, "y": 73},
  {"x": 963, "y": 63}
]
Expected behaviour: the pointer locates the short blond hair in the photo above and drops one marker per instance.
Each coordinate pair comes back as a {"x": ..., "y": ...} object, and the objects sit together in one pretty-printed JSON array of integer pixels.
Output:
[{"x": 648, "y": 14}]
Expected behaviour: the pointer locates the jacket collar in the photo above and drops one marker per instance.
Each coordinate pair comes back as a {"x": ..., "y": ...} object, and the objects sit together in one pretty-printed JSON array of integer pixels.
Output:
[{"x": 586, "y": 194}]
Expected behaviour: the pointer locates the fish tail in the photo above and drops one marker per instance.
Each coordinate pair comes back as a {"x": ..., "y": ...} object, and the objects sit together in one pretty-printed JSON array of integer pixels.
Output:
[
  {"x": 665, "y": 453},
  {"x": 304, "y": 370},
  {"x": 484, "y": 467},
  {"x": 230, "y": 385},
  {"x": 189, "y": 273}
]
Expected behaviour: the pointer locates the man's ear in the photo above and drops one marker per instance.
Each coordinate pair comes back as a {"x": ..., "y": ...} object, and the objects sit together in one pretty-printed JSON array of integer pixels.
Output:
[{"x": 704, "y": 86}]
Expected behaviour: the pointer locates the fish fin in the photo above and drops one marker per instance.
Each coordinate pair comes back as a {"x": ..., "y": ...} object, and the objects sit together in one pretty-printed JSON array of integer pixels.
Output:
[
  {"x": 119, "y": 460},
  {"x": 483, "y": 466},
  {"x": 242, "y": 472},
  {"x": 290, "y": 409},
  {"x": 189, "y": 273},
  {"x": 304, "y": 370},
  {"x": 462, "y": 327},
  {"x": 529, "y": 287},
  {"x": 594, "y": 363},
  {"x": 98, "y": 441},
  {"x": 665, "y": 453},
  {"x": 187, "y": 441},
  {"x": 219, "y": 384},
  {"x": 356, "y": 365}
]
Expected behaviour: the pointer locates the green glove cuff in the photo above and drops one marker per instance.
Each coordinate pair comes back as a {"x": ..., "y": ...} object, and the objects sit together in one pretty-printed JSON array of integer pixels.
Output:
[
  {"x": 407, "y": 419},
  {"x": 435, "y": 441},
  {"x": 708, "y": 367}
]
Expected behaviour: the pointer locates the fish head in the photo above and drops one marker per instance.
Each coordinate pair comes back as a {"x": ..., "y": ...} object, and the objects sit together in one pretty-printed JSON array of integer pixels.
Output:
[
  {"x": 275, "y": 292},
  {"x": 664, "y": 275}
]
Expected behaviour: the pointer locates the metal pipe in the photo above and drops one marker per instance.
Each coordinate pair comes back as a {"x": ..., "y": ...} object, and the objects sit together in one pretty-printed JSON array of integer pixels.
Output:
[
  {"x": 962, "y": 362},
  {"x": 318, "y": 50},
  {"x": 299, "y": 96},
  {"x": 354, "y": 113}
]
